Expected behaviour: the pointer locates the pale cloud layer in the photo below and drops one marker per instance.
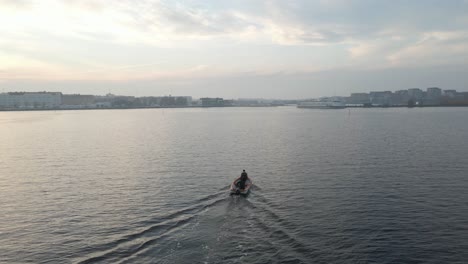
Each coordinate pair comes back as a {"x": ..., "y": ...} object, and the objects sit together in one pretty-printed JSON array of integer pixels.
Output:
[{"x": 193, "y": 46}]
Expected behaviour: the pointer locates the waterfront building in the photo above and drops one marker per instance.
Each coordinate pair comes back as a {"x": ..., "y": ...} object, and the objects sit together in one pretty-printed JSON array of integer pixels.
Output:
[
  {"x": 450, "y": 93},
  {"x": 121, "y": 101},
  {"x": 358, "y": 98},
  {"x": 183, "y": 100},
  {"x": 175, "y": 101},
  {"x": 77, "y": 100},
  {"x": 165, "y": 101},
  {"x": 228, "y": 102},
  {"x": 416, "y": 94},
  {"x": 433, "y": 96},
  {"x": 30, "y": 100},
  {"x": 188, "y": 100},
  {"x": 400, "y": 98},
  {"x": 150, "y": 101},
  {"x": 247, "y": 102},
  {"x": 381, "y": 98},
  {"x": 454, "y": 98},
  {"x": 434, "y": 92},
  {"x": 212, "y": 102}
]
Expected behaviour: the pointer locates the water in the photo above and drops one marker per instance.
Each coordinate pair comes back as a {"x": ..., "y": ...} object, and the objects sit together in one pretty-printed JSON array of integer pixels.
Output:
[{"x": 150, "y": 186}]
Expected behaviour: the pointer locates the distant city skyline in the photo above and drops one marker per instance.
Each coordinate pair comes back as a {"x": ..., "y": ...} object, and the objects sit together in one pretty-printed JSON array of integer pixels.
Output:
[
  {"x": 418, "y": 92},
  {"x": 432, "y": 96},
  {"x": 233, "y": 49}
]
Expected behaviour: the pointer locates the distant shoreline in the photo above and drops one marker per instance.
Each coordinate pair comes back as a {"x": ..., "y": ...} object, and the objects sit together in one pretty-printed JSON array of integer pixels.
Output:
[
  {"x": 127, "y": 108},
  {"x": 179, "y": 107}
]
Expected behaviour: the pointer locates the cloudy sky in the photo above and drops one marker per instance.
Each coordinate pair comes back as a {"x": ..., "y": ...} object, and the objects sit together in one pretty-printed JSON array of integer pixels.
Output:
[{"x": 242, "y": 48}]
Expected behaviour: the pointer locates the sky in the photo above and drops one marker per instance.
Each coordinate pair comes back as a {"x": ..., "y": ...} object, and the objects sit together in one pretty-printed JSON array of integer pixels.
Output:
[{"x": 233, "y": 49}]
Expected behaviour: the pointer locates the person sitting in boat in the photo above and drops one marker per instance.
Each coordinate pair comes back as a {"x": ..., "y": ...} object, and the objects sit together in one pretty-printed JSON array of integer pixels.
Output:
[{"x": 243, "y": 181}]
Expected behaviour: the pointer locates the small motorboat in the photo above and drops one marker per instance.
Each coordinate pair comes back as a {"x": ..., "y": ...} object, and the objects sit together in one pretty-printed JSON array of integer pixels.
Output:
[{"x": 236, "y": 187}]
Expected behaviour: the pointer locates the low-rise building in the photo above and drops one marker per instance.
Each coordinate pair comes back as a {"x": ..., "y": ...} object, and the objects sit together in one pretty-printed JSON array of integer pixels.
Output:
[
  {"x": 416, "y": 94},
  {"x": 212, "y": 102},
  {"x": 30, "y": 100},
  {"x": 381, "y": 98},
  {"x": 450, "y": 93},
  {"x": 358, "y": 98},
  {"x": 454, "y": 98},
  {"x": 433, "y": 96},
  {"x": 79, "y": 100},
  {"x": 174, "y": 101},
  {"x": 400, "y": 98}
]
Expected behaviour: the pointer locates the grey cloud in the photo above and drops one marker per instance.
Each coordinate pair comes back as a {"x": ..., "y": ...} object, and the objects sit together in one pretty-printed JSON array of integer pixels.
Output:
[
  {"x": 364, "y": 19},
  {"x": 184, "y": 20},
  {"x": 299, "y": 22}
]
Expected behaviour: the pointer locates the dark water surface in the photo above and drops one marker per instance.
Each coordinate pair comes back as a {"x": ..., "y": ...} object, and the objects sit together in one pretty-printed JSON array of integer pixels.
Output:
[{"x": 150, "y": 186}]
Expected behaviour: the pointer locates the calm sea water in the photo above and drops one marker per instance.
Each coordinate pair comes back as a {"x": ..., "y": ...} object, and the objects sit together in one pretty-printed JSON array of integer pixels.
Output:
[{"x": 150, "y": 186}]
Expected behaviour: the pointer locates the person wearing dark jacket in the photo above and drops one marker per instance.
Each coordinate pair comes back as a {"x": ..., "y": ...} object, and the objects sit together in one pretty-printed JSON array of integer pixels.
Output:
[{"x": 243, "y": 181}]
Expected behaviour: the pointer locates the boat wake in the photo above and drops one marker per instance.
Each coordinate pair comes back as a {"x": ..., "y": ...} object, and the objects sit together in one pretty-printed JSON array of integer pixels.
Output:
[
  {"x": 158, "y": 229},
  {"x": 215, "y": 228}
]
